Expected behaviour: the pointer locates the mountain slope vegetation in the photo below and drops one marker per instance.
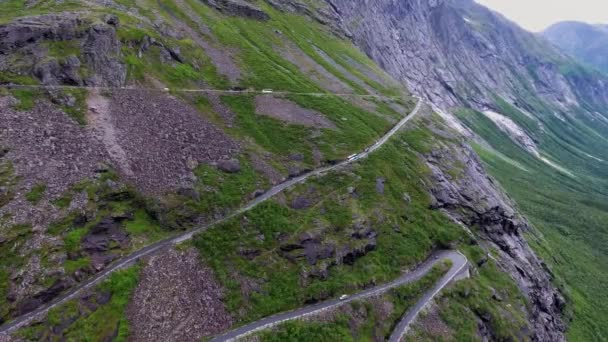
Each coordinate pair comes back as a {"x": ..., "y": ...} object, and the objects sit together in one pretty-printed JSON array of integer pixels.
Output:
[{"x": 126, "y": 122}]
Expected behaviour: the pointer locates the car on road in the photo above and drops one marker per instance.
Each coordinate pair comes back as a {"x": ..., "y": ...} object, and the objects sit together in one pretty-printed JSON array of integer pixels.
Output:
[
  {"x": 343, "y": 297},
  {"x": 352, "y": 157},
  {"x": 267, "y": 91}
]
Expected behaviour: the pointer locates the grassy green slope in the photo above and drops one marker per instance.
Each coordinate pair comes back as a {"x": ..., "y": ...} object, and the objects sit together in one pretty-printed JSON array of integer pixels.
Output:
[
  {"x": 569, "y": 212},
  {"x": 407, "y": 232}
]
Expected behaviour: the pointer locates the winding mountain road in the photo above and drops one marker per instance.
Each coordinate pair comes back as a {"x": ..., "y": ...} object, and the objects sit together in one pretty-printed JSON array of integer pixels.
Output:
[
  {"x": 459, "y": 265},
  {"x": 25, "y": 319}
]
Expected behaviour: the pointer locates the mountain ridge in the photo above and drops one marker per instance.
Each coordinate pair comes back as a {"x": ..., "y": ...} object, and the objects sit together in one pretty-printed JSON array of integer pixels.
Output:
[{"x": 586, "y": 42}]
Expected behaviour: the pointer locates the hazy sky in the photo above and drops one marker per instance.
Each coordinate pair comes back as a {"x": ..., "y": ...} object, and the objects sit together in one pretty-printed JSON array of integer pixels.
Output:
[{"x": 536, "y": 15}]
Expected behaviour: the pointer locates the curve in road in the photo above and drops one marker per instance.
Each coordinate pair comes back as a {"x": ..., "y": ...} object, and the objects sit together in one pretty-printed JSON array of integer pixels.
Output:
[
  {"x": 459, "y": 263},
  {"x": 151, "y": 249},
  {"x": 403, "y": 326}
]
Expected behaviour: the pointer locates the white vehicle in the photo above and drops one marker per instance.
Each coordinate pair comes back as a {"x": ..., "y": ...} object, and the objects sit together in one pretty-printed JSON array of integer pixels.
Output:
[
  {"x": 343, "y": 297},
  {"x": 267, "y": 91},
  {"x": 166, "y": 89},
  {"x": 352, "y": 157}
]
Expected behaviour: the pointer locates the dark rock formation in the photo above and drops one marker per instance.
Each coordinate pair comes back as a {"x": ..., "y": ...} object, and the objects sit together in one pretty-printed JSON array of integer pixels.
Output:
[
  {"x": 300, "y": 202},
  {"x": 241, "y": 8},
  {"x": 326, "y": 15},
  {"x": 380, "y": 185},
  {"x": 476, "y": 201},
  {"x": 45, "y": 296},
  {"x": 101, "y": 238},
  {"x": 98, "y": 42},
  {"x": 229, "y": 166},
  {"x": 321, "y": 255}
]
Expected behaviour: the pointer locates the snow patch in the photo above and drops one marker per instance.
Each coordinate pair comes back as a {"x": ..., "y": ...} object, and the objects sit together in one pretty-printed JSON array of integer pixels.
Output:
[
  {"x": 557, "y": 167},
  {"x": 516, "y": 133}
]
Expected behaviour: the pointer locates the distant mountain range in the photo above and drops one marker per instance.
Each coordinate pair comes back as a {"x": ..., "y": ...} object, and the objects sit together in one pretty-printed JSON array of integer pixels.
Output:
[{"x": 586, "y": 42}]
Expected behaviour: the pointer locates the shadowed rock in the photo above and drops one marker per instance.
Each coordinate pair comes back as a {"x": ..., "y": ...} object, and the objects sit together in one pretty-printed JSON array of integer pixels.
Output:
[
  {"x": 239, "y": 8},
  {"x": 229, "y": 166}
]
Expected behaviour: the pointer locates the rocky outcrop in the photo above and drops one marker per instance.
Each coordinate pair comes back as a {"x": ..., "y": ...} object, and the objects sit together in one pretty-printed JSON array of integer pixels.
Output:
[
  {"x": 102, "y": 238},
  {"x": 229, "y": 166},
  {"x": 477, "y": 202},
  {"x": 321, "y": 253},
  {"x": 241, "y": 8},
  {"x": 325, "y": 14},
  {"x": 99, "y": 49}
]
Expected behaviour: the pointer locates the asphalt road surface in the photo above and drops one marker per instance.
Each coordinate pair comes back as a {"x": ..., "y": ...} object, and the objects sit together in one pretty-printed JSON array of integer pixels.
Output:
[
  {"x": 151, "y": 249},
  {"x": 459, "y": 265}
]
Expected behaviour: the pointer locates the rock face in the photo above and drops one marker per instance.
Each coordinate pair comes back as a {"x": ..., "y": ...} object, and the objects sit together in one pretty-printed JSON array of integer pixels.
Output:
[
  {"x": 321, "y": 255},
  {"x": 457, "y": 52},
  {"x": 475, "y": 201},
  {"x": 229, "y": 166},
  {"x": 240, "y": 8},
  {"x": 99, "y": 50}
]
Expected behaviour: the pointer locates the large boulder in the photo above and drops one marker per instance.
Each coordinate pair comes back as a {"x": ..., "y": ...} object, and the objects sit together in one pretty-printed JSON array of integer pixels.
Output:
[
  {"x": 229, "y": 166},
  {"x": 24, "y": 39}
]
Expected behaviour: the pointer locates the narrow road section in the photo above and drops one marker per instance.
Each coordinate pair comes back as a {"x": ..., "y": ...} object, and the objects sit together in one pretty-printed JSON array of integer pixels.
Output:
[
  {"x": 457, "y": 272},
  {"x": 197, "y": 90},
  {"x": 149, "y": 250},
  {"x": 459, "y": 264}
]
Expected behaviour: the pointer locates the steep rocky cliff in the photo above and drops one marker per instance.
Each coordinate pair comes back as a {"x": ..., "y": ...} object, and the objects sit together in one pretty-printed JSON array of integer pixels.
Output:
[
  {"x": 457, "y": 52},
  {"x": 475, "y": 200}
]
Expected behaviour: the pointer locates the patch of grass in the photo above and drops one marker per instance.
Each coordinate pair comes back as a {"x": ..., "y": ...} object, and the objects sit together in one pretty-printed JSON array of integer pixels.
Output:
[
  {"x": 35, "y": 195},
  {"x": 107, "y": 321},
  {"x": 27, "y": 98},
  {"x": 144, "y": 228},
  {"x": 16, "y": 238},
  {"x": 135, "y": 68},
  {"x": 12, "y": 9},
  {"x": 64, "y": 201},
  {"x": 73, "y": 265},
  {"x": 79, "y": 109},
  {"x": 229, "y": 190},
  {"x": 7, "y": 77},
  {"x": 274, "y": 135},
  {"x": 7, "y": 181},
  {"x": 4, "y": 288},
  {"x": 72, "y": 239},
  {"x": 62, "y": 49}
]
